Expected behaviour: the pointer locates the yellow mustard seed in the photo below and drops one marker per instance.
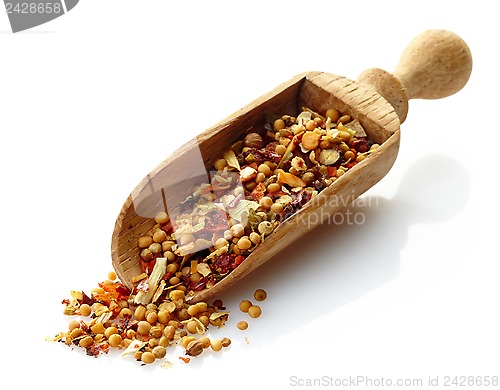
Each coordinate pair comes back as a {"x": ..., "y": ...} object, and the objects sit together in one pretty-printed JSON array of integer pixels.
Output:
[
  {"x": 245, "y": 305},
  {"x": 259, "y": 294},
  {"x": 254, "y": 311}
]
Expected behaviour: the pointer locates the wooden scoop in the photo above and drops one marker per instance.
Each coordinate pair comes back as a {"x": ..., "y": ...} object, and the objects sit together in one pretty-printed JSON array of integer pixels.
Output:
[{"x": 436, "y": 64}]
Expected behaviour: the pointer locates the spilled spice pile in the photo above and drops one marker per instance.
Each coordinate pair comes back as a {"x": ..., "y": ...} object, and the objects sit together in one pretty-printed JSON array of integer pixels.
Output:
[{"x": 110, "y": 319}]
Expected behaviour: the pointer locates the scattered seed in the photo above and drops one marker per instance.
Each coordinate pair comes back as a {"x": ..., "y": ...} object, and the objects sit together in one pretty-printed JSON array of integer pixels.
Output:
[
  {"x": 115, "y": 340},
  {"x": 245, "y": 305},
  {"x": 159, "y": 352},
  {"x": 86, "y": 342},
  {"x": 260, "y": 295},
  {"x": 254, "y": 311},
  {"x": 148, "y": 357},
  {"x": 194, "y": 348},
  {"x": 216, "y": 345},
  {"x": 205, "y": 341}
]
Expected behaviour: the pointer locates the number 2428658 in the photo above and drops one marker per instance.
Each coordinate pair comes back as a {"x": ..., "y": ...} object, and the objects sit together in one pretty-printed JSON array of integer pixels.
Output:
[{"x": 34, "y": 8}]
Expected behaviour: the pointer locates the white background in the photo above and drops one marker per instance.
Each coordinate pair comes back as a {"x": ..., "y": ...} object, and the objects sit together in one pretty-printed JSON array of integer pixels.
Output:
[{"x": 92, "y": 101}]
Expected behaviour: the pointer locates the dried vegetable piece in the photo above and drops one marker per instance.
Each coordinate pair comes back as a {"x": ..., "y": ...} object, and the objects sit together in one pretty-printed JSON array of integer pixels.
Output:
[{"x": 231, "y": 160}]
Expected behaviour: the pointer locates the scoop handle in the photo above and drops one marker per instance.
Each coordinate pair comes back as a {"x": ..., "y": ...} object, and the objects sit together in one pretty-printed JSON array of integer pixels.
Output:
[{"x": 436, "y": 64}]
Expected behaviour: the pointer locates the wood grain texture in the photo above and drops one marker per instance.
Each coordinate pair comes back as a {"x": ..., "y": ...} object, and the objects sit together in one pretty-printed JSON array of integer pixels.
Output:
[{"x": 436, "y": 64}]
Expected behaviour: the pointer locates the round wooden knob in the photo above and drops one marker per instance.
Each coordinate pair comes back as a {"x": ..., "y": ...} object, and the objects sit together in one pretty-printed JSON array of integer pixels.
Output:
[{"x": 436, "y": 64}]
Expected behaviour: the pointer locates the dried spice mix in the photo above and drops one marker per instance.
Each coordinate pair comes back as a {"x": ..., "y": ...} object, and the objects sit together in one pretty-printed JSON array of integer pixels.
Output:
[{"x": 256, "y": 185}]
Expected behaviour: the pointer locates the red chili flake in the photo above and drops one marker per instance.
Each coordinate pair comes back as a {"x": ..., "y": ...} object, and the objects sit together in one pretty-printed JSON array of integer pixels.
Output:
[
  {"x": 122, "y": 290},
  {"x": 167, "y": 228},
  {"x": 112, "y": 294},
  {"x": 360, "y": 145},
  {"x": 95, "y": 350},
  {"x": 223, "y": 263},
  {"x": 238, "y": 260},
  {"x": 332, "y": 171},
  {"x": 147, "y": 267},
  {"x": 321, "y": 123},
  {"x": 116, "y": 290},
  {"x": 301, "y": 197},
  {"x": 253, "y": 165},
  {"x": 259, "y": 191},
  {"x": 286, "y": 165},
  {"x": 88, "y": 300},
  {"x": 218, "y": 221},
  {"x": 185, "y": 360},
  {"x": 84, "y": 327},
  {"x": 317, "y": 173},
  {"x": 267, "y": 154},
  {"x": 167, "y": 275},
  {"x": 199, "y": 285}
]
